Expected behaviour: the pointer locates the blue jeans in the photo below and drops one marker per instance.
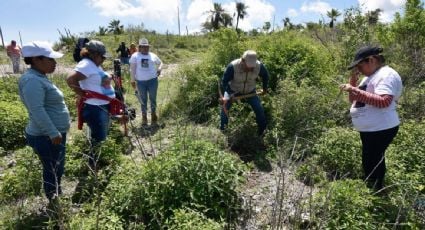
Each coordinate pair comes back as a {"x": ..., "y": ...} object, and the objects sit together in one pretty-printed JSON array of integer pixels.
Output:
[
  {"x": 97, "y": 118},
  {"x": 256, "y": 106},
  {"x": 145, "y": 89},
  {"x": 52, "y": 158},
  {"x": 125, "y": 60}
]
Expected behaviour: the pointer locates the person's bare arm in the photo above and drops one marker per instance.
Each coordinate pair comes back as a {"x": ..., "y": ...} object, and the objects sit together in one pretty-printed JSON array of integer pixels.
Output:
[{"x": 73, "y": 82}]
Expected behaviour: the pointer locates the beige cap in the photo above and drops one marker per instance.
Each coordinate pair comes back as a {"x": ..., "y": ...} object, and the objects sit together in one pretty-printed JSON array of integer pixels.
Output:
[
  {"x": 143, "y": 42},
  {"x": 250, "y": 58}
]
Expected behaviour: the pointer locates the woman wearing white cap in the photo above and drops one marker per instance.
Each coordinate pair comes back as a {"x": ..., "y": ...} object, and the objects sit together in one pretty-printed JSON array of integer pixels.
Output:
[
  {"x": 48, "y": 115},
  {"x": 145, "y": 67},
  {"x": 373, "y": 109}
]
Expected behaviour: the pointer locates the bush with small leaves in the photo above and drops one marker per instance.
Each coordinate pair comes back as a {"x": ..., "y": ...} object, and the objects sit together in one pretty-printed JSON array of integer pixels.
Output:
[
  {"x": 77, "y": 148},
  {"x": 296, "y": 57},
  {"x": 406, "y": 159},
  {"x": 187, "y": 219},
  {"x": 197, "y": 95},
  {"x": 192, "y": 174},
  {"x": 338, "y": 152},
  {"x": 310, "y": 172},
  {"x": 92, "y": 218},
  {"x": 344, "y": 204},
  {"x": 304, "y": 112},
  {"x": 13, "y": 120},
  {"x": 22, "y": 180},
  {"x": 412, "y": 97}
]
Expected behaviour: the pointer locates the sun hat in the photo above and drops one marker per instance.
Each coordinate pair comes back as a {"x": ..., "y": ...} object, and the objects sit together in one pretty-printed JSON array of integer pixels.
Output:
[
  {"x": 363, "y": 53},
  {"x": 39, "y": 48},
  {"x": 250, "y": 58},
  {"x": 143, "y": 42},
  {"x": 97, "y": 46}
]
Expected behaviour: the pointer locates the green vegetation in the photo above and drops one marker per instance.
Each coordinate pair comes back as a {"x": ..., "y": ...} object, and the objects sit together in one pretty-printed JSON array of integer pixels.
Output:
[
  {"x": 195, "y": 175},
  {"x": 185, "y": 174}
]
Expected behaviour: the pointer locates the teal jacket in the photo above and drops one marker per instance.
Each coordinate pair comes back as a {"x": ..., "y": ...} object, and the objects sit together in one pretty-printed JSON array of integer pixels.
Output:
[{"x": 48, "y": 114}]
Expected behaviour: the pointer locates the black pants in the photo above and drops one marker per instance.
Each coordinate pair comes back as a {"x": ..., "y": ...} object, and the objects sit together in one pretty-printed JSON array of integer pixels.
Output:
[{"x": 374, "y": 145}]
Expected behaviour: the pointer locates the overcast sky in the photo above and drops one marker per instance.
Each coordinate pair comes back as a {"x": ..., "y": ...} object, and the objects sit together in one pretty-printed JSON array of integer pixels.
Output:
[{"x": 41, "y": 19}]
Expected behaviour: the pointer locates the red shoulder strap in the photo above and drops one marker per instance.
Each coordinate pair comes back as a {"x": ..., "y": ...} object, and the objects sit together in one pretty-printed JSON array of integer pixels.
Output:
[{"x": 92, "y": 94}]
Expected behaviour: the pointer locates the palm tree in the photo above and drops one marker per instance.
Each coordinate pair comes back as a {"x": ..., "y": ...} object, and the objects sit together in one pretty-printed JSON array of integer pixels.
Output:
[
  {"x": 373, "y": 16},
  {"x": 227, "y": 20},
  {"x": 240, "y": 12},
  {"x": 287, "y": 23},
  {"x": 102, "y": 30},
  {"x": 333, "y": 14},
  {"x": 218, "y": 18},
  {"x": 115, "y": 27}
]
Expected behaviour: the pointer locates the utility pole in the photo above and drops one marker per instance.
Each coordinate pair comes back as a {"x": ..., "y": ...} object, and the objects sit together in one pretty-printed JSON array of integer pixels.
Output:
[
  {"x": 20, "y": 38},
  {"x": 1, "y": 36},
  {"x": 274, "y": 16},
  {"x": 178, "y": 18}
]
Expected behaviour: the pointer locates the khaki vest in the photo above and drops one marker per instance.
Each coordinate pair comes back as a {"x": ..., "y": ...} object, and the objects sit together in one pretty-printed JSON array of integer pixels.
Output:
[{"x": 243, "y": 82}]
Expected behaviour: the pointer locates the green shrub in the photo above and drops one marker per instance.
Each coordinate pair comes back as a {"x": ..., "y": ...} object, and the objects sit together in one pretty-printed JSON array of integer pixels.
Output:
[
  {"x": 193, "y": 175},
  {"x": 295, "y": 57},
  {"x": 12, "y": 124},
  {"x": 9, "y": 89},
  {"x": 225, "y": 47},
  {"x": 338, "y": 152},
  {"x": 196, "y": 96},
  {"x": 406, "y": 159},
  {"x": 110, "y": 151},
  {"x": 186, "y": 219},
  {"x": 412, "y": 97},
  {"x": 304, "y": 111},
  {"x": 115, "y": 146},
  {"x": 344, "y": 204},
  {"x": 310, "y": 172},
  {"x": 24, "y": 179},
  {"x": 76, "y": 148},
  {"x": 104, "y": 219}
]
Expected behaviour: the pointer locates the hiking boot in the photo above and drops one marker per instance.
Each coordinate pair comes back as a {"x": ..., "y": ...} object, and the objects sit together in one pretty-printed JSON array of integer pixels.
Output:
[
  {"x": 144, "y": 119},
  {"x": 154, "y": 118}
]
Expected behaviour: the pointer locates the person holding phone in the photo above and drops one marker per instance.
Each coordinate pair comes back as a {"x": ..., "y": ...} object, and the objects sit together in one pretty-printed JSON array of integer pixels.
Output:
[{"x": 373, "y": 110}]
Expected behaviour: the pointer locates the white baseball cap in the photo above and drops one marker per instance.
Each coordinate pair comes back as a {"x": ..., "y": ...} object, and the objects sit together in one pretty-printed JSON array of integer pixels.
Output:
[{"x": 39, "y": 48}]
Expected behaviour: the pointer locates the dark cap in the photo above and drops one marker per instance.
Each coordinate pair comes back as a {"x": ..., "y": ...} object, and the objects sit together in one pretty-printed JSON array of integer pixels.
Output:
[
  {"x": 97, "y": 46},
  {"x": 363, "y": 53}
]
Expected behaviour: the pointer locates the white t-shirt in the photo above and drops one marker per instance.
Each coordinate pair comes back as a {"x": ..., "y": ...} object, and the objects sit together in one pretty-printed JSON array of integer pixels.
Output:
[
  {"x": 97, "y": 80},
  {"x": 367, "y": 118},
  {"x": 146, "y": 65}
]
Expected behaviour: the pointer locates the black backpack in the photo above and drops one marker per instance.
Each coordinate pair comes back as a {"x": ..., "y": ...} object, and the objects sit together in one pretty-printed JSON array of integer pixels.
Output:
[{"x": 81, "y": 43}]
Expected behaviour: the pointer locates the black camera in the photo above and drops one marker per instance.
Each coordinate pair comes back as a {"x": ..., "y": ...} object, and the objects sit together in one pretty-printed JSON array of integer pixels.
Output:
[
  {"x": 117, "y": 67},
  {"x": 131, "y": 113}
]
